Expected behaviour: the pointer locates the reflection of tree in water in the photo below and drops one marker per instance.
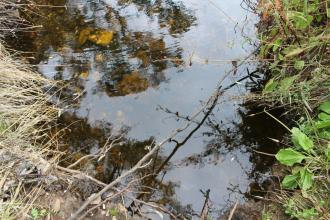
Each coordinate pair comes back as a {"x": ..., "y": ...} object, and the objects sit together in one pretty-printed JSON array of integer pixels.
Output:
[
  {"x": 140, "y": 56},
  {"x": 251, "y": 136},
  {"x": 81, "y": 139},
  {"x": 133, "y": 61},
  {"x": 173, "y": 15}
]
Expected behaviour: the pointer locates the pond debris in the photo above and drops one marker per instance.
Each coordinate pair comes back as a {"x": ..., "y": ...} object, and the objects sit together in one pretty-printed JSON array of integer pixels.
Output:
[
  {"x": 84, "y": 75},
  {"x": 98, "y": 37},
  {"x": 132, "y": 83}
]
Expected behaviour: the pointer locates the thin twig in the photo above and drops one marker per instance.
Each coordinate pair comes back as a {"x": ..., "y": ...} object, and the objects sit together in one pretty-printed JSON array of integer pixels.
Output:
[
  {"x": 267, "y": 154},
  {"x": 233, "y": 211},
  {"x": 81, "y": 173}
]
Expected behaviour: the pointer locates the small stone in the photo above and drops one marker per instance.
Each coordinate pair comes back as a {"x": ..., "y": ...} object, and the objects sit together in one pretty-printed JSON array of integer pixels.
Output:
[
  {"x": 96, "y": 201},
  {"x": 56, "y": 205}
]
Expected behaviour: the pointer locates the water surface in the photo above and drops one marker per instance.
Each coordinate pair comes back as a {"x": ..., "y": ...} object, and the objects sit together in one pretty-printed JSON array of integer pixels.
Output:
[{"x": 161, "y": 55}]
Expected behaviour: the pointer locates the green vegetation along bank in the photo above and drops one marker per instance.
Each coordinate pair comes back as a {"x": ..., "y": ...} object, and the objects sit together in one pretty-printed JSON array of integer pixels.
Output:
[{"x": 294, "y": 47}]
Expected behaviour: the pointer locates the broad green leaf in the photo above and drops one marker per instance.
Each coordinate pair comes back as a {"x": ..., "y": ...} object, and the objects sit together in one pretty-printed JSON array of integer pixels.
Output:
[
  {"x": 277, "y": 43},
  {"x": 325, "y": 134},
  {"x": 280, "y": 57},
  {"x": 328, "y": 12},
  {"x": 290, "y": 181},
  {"x": 299, "y": 64},
  {"x": 323, "y": 116},
  {"x": 270, "y": 86},
  {"x": 289, "y": 156},
  {"x": 325, "y": 107},
  {"x": 286, "y": 83},
  {"x": 300, "y": 20},
  {"x": 322, "y": 124},
  {"x": 301, "y": 140},
  {"x": 3, "y": 126},
  {"x": 306, "y": 179}
]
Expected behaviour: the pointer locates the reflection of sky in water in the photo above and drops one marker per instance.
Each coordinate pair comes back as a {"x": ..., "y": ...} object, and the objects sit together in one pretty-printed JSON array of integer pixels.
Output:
[{"x": 181, "y": 89}]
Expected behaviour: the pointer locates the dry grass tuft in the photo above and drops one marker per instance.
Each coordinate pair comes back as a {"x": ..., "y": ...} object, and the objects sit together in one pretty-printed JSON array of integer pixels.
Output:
[
  {"x": 26, "y": 114},
  {"x": 24, "y": 99}
]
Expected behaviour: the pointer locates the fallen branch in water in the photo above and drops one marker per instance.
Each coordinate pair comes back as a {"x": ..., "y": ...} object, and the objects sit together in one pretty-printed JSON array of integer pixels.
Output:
[
  {"x": 80, "y": 173},
  {"x": 117, "y": 194},
  {"x": 143, "y": 161},
  {"x": 233, "y": 211},
  {"x": 205, "y": 210}
]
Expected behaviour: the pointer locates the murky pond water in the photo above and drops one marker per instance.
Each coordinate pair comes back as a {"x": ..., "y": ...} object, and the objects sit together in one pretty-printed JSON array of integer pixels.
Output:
[{"x": 129, "y": 63}]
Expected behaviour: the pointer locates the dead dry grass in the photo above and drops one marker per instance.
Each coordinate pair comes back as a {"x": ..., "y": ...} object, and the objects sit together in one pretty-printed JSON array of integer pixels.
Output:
[{"x": 25, "y": 116}]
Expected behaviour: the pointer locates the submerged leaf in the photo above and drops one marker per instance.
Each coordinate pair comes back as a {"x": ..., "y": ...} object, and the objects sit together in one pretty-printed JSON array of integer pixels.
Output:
[
  {"x": 289, "y": 156},
  {"x": 132, "y": 83},
  {"x": 101, "y": 37},
  {"x": 84, "y": 34},
  {"x": 84, "y": 75}
]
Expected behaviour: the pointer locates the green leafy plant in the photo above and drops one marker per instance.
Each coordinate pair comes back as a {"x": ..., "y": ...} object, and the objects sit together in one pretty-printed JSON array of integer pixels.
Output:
[
  {"x": 301, "y": 156},
  {"x": 308, "y": 159},
  {"x": 266, "y": 216},
  {"x": 291, "y": 209},
  {"x": 38, "y": 213},
  {"x": 294, "y": 37},
  {"x": 113, "y": 212}
]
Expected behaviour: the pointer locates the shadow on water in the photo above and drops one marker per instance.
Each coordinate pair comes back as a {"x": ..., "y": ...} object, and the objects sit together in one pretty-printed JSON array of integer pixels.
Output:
[{"x": 125, "y": 62}]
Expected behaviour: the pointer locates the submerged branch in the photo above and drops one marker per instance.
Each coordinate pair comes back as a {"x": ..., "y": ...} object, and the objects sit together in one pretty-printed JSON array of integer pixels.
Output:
[{"x": 141, "y": 163}]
